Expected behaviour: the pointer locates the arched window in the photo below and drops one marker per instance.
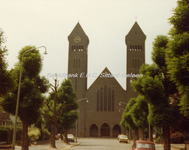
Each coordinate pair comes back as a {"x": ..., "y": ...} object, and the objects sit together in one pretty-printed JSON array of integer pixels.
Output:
[
  {"x": 98, "y": 99},
  {"x": 135, "y": 47},
  {"x": 94, "y": 130},
  {"x": 109, "y": 99},
  {"x": 101, "y": 99},
  {"x": 113, "y": 99},
  {"x": 105, "y": 98},
  {"x": 105, "y": 130},
  {"x": 138, "y": 63},
  {"x": 74, "y": 63}
]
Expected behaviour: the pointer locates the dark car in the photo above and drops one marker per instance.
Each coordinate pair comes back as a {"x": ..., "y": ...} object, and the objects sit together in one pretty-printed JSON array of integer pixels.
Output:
[{"x": 143, "y": 145}]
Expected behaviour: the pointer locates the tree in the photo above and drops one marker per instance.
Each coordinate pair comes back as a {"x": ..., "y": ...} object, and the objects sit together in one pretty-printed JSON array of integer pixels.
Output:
[
  {"x": 6, "y": 80},
  {"x": 178, "y": 52},
  {"x": 139, "y": 113},
  {"x": 127, "y": 120},
  {"x": 58, "y": 104},
  {"x": 32, "y": 87},
  {"x": 66, "y": 122},
  {"x": 155, "y": 85}
]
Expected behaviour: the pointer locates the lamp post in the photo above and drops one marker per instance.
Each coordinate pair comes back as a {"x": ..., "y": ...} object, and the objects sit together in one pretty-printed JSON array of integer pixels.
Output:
[
  {"x": 122, "y": 103},
  {"x": 76, "y": 121},
  {"x": 120, "y": 109},
  {"x": 18, "y": 95}
]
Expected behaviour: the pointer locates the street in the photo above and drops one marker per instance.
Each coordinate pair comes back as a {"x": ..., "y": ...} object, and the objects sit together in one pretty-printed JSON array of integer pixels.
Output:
[
  {"x": 101, "y": 144},
  {"x": 94, "y": 144}
]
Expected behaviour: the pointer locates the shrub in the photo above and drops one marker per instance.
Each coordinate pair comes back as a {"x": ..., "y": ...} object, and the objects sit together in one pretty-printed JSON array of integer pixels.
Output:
[
  {"x": 177, "y": 137},
  {"x": 33, "y": 133},
  {"x": 7, "y": 134},
  {"x": 4, "y": 134},
  {"x": 46, "y": 134}
]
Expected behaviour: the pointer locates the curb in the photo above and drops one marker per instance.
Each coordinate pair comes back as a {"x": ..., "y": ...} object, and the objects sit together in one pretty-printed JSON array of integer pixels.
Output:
[{"x": 71, "y": 146}]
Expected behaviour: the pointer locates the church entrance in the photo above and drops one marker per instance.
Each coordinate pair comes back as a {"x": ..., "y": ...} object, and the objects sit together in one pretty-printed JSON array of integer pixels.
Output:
[
  {"x": 116, "y": 130},
  {"x": 105, "y": 130},
  {"x": 93, "y": 130}
]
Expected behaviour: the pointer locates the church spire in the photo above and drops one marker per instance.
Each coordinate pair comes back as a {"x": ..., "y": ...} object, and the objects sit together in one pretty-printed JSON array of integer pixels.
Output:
[
  {"x": 78, "y": 32},
  {"x": 135, "y": 33}
]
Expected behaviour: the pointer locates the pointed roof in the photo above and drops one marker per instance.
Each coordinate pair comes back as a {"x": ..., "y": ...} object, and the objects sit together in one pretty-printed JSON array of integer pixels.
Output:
[
  {"x": 106, "y": 74},
  {"x": 78, "y": 31},
  {"x": 135, "y": 33}
]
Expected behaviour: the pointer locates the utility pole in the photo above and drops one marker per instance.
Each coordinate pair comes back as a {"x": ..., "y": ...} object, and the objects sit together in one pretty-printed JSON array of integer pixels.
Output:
[{"x": 54, "y": 120}]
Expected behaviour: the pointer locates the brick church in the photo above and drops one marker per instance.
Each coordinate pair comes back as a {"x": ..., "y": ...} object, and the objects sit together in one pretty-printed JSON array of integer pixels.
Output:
[{"x": 101, "y": 116}]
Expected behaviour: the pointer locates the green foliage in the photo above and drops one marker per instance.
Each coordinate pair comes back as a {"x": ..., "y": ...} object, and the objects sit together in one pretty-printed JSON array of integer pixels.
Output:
[
  {"x": 65, "y": 106},
  {"x": 180, "y": 19},
  {"x": 7, "y": 134},
  {"x": 127, "y": 120},
  {"x": 68, "y": 119},
  {"x": 177, "y": 54},
  {"x": 139, "y": 112},
  {"x": 32, "y": 62},
  {"x": 32, "y": 86},
  {"x": 33, "y": 133},
  {"x": 67, "y": 95},
  {"x": 158, "y": 53},
  {"x": 155, "y": 85},
  {"x": 7, "y": 82},
  {"x": 4, "y": 135},
  {"x": 46, "y": 134}
]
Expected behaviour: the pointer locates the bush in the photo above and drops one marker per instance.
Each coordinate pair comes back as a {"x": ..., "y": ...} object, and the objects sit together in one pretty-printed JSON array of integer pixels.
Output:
[
  {"x": 33, "y": 133},
  {"x": 177, "y": 137},
  {"x": 46, "y": 134},
  {"x": 4, "y": 132},
  {"x": 7, "y": 134}
]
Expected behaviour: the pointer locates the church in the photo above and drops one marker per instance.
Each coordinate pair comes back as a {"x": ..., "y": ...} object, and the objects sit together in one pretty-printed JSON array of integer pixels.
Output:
[{"x": 99, "y": 105}]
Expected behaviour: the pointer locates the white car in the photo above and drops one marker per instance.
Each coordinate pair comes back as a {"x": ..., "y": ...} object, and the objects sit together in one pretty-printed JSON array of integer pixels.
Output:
[
  {"x": 123, "y": 138},
  {"x": 71, "y": 138}
]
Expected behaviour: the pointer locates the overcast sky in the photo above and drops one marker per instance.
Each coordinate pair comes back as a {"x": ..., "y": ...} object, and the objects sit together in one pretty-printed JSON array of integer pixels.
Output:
[{"x": 106, "y": 23}]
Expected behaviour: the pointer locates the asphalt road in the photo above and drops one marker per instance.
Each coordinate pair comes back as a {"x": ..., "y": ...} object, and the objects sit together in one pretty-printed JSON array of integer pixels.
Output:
[
  {"x": 101, "y": 144},
  {"x": 93, "y": 144}
]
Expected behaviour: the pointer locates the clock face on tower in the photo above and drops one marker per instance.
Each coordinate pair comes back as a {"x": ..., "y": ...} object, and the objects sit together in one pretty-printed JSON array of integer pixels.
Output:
[{"x": 77, "y": 39}]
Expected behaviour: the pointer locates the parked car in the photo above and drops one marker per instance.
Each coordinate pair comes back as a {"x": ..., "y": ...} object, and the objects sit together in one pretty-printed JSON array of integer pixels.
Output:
[
  {"x": 123, "y": 138},
  {"x": 58, "y": 136},
  {"x": 143, "y": 145},
  {"x": 71, "y": 138}
]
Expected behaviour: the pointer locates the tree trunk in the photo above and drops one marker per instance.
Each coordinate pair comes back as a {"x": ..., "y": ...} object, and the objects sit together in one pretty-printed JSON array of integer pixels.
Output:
[
  {"x": 151, "y": 135},
  {"x": 136, "y": 135},
  {"x": 142, "y": 130},
  {"x": 166, "y": 137},
  {"x": 65, "y": 136},
  {"x": 61, "y": 132},
  {"x": 53, "y": 134},
  {"x": 25, "y": 136}
]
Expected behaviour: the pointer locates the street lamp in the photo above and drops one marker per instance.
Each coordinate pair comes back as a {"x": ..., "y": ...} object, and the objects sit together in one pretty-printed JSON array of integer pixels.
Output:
[
  {"x": 76, "y": 121},
  {"x": 122, "y": 103},
  {"x": 120, "y": 109},
  {"x": 18, "y": 95}
]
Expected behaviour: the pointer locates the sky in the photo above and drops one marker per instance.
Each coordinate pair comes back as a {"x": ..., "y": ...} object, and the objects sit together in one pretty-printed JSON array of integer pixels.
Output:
[{"x": 106, "y": 22}]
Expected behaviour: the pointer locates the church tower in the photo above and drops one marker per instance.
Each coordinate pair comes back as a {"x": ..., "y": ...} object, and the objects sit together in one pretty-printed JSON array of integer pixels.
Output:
[
  {"x": 135, "y": 41},
  {"x": 77, "y": 60}
]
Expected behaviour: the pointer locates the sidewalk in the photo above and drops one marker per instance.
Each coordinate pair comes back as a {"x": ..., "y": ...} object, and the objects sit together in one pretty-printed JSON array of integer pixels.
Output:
[
  {"x": 173, "y": 146},
  {"x": 178, "y": 146},
  {"x": 60, "y": 145}
]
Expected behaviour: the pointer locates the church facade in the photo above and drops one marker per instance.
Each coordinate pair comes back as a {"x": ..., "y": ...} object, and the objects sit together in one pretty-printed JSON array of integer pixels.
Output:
[{"x": 101, "y": 116}]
